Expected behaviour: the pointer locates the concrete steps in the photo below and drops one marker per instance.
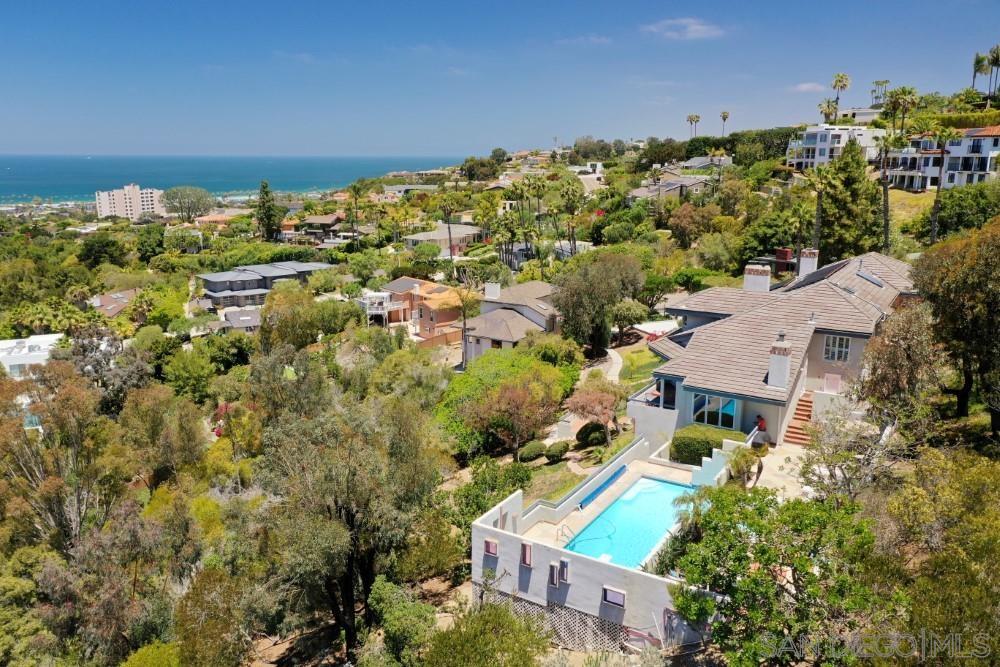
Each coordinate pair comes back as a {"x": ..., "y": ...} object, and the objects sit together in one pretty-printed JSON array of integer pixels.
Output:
[{"x": 796, "y": 433}]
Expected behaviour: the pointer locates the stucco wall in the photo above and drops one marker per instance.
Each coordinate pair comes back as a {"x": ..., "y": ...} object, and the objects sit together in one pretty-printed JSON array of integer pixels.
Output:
[
  {"x": 818, "y": 367},
  {"x": 647, "y": 597}
]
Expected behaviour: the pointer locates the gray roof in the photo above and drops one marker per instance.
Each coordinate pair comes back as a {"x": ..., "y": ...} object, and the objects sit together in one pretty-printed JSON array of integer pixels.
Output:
[
  {"x": 272, "y": 270},
  {"x": 502, "y": 324},
  {"x": 666, "y": 348},
  {"x": 403, "y": 284},
  {"x": 534, "y": 294},
  {"x": 242, "y": 319},
  {"x": 731, "y": 355},
  {"x": 441, "y": 232}
]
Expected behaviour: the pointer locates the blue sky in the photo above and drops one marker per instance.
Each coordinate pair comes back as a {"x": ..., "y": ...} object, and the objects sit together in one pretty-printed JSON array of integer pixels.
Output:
[{"x": 429, "y": 78}]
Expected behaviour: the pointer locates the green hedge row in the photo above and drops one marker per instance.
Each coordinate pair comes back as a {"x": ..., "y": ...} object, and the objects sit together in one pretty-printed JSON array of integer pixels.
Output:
[
  {"x": 695, "y": 441},
  {"x": 970, "y": 119}
]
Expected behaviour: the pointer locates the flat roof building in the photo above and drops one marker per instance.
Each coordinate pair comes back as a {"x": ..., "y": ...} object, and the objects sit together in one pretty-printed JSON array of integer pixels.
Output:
[{"x": 130, "y": 202}]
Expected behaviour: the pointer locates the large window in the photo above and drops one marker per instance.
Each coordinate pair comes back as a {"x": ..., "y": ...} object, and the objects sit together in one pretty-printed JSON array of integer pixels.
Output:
[
  {"x": 714, "y": 411},
  {"x": 836, "y": 348}
]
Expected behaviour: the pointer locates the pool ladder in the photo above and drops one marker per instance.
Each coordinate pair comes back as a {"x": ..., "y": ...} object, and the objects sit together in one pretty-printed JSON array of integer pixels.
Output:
[{"x": 565, "y": 533}]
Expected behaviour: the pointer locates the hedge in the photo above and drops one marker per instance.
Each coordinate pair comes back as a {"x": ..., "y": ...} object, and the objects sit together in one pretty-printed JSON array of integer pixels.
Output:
[
  {"x": 591, "y": 434},
  {"x": 695, "y": 441},
  {"x": 967, "y": 120},
  {"x": 531, "y": 451},
  {"x": 556, "y": 451}
]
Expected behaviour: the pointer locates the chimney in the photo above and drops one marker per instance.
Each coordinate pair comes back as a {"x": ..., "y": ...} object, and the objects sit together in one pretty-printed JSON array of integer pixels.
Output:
[
  {"x": 780, "y": 365},
  {"x": 757, "y": 278},
  {"x": 492, "y": 290},
  {"x": 808, "y": 261}
]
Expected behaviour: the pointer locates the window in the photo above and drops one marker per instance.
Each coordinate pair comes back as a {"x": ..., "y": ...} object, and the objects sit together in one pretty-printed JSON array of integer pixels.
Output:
[
  {"x": 564, "y": 571},
  {"x": 420, "y": 312},
  {"x": 525, "y": 554},
  {"x": 491, "y": 548},
  {"x": 822, "y": 151},
  {"x": 554, "y": 575},
  {"x": 714, "y": 410},
  {"x": 951, "y": 178},
  {"x": 836, "y": 348},
  {"x": 613, "y": 597}
]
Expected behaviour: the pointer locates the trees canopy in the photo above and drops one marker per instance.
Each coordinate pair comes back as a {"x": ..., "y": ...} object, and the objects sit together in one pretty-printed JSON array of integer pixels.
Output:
[{"x": 188, "y": 202}]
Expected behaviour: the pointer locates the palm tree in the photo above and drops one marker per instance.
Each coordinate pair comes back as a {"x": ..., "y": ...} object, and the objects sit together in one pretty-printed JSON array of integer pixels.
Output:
[
  {"x": 942, "y": 135},
  {"x": 716, "y": 155},
  {"x": 828, "y": 108},
  {"x": 885, "y": 144},
  {"x": 724, "y": 116},
  {"x": 693, "y": 120},
  {"x": 571, "y": 196},
  {"x": 907, "y": 101},
  {"x": 536, "y": 185},
  {"x": 356, "y": 190},
  {"x": 980, "y": 65},
  {"x": 994, "y": 62},
  {"x": 691, "y": 507},
  {"x": 818, "y": 180},
  {"x": 450, "y": 202},
  {"x": 841, "y": 82},
  {"x": 878, "y": 94}
]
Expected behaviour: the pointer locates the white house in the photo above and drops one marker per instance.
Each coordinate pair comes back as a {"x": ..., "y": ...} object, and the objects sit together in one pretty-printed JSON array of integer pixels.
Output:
[
  {"x": 819, "y": 144},
  {"x": 18, "y": 354},
  {"x": 784, "y": 355},
  {"x": 973, "y": 158}
]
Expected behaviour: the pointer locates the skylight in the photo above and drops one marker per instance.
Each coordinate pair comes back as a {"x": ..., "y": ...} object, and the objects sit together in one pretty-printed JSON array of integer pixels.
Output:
[{"x": 870, "y": 278}]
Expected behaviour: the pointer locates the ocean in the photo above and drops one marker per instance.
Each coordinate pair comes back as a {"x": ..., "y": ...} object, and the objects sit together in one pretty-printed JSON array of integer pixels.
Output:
[{"x": 76, "y": 178}]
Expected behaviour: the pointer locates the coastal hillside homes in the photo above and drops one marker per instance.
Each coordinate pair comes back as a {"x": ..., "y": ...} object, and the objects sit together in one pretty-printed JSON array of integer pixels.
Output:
[
  {"x": 112, "y": 303},
  {"x": 17, "y": 355},
  {"x": 460, "y": 236},
  {"x": 399, "y": 300},
  {"x": 508, "y": 315},
  {"x": 222, "y": 216},
  {"x": 861, "y": 115},
  {"x": 249, "y": 285},
  {"x": 784, "y": 355},
  {"x": 819, "y": 144},
  {"x": 972, "y": 158},
  {"x": 678, "y": 186},
  {"x": 130, "y": 202}
]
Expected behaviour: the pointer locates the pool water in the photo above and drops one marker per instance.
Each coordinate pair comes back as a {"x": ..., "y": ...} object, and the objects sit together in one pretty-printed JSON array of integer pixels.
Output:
[{"x": 633, "y": 525}]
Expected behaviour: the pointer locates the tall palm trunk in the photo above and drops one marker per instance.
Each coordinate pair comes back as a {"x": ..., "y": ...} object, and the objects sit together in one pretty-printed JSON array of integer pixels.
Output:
[
  {"x": 818, "y": 220},
  {"x": 936, "y": 209},
  {"x": 885, "y": 204}
]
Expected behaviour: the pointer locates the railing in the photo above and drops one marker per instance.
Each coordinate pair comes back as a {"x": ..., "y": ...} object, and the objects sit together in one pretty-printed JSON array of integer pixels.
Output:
[{"x": 750, "y": 436}]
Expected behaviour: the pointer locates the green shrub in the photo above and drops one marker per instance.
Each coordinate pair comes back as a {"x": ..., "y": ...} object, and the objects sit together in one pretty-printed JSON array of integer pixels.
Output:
[
  {"x": 531, "y": 451},
  {"x": 695, "y": 441},
  {"x": 556, "y": 451},
  {"x": 591, "y": 434},
  {"x": 968, "y": 119}
]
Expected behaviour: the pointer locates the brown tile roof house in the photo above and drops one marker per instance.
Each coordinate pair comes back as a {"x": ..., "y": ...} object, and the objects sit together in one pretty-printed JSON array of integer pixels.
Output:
[
  {"x": 113, "y": 303},
  {"x": 821, "y": 322}
]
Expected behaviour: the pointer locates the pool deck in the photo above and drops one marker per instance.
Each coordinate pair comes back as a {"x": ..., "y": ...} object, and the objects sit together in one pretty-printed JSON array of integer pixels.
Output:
[{"x": 576, "y": 520}]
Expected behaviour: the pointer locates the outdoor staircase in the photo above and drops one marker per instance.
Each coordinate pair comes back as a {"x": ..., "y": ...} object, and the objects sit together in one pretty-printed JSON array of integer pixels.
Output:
[{"x": 796, "y": 433}]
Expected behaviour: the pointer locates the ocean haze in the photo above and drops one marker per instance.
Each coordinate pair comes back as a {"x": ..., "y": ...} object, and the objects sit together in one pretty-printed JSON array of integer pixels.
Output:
[{"x": 77, "y": 178}]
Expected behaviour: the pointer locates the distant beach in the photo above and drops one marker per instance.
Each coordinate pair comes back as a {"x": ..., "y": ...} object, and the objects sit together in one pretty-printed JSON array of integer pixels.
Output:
[{"x": 76, "y": 178}]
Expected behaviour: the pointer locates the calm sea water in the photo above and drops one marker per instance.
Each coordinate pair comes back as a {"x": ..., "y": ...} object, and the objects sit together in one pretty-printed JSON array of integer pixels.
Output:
[{"x": 76, "y": 178}]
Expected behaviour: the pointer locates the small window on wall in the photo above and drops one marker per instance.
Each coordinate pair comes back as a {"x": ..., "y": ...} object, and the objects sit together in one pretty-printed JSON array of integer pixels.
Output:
[
  {"x": 526, "y": 555},
  {"x": 491, "y": 548},
  {"x": 836, "y": 348},
  {"x": 554, "y": 575},
  {"x": 613, "y": 597},
  {"x": 564, "y": 571}
]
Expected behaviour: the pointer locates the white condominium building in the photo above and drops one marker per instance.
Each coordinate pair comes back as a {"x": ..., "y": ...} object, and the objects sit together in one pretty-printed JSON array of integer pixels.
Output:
[
  {"x": 130, "y": 202},
  {"x": 819, "y": 144},
  {"x": 972, "y": 158}
]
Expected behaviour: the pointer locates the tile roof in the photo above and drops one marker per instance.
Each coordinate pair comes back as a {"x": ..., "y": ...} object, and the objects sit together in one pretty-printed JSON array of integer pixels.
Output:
[
  {"x": 501, "y": 324},
  {"x": 113, "y": 303},
  {"x": 731, "y": 355},
  {"x": 534, "y": 294}
]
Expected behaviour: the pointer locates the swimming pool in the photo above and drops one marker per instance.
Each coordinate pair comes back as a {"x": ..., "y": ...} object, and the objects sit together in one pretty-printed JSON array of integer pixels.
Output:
[{"x": 633, "y": 525}]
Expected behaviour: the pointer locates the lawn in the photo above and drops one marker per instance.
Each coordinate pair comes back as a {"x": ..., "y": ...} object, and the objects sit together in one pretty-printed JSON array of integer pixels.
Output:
[
  {"x": 643, "y": 363},
  {"x": 550, "y": 481},
  {"x": 905, "y": 206}
]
